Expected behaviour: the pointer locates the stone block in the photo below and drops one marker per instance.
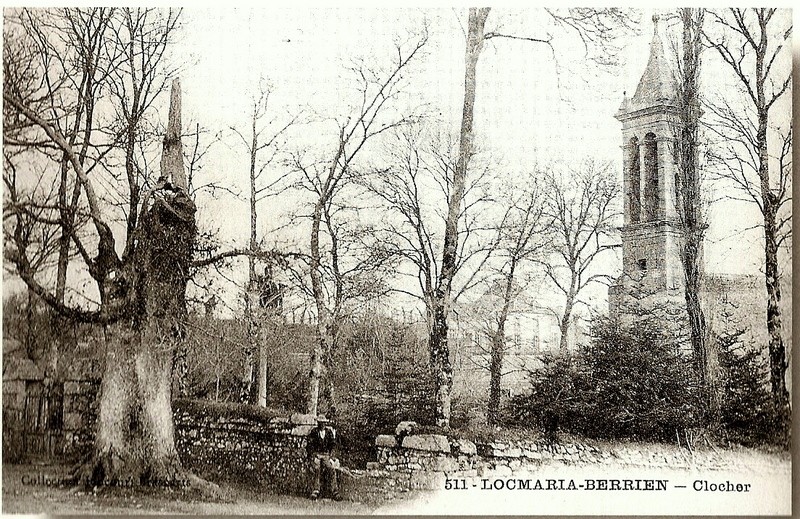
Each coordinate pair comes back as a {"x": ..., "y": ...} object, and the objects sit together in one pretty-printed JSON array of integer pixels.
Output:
[
  {"x": 14, "y": 394},
  {"x": 405, "y": 428},
  {"x": 303, "y": 419},
  {"x": 512, "y": 452},
  {"x": 465, "y": 463},
  {"x": 301, "y": 430},
  {"x": 427, "y": 481},
  {"x": 571, "y": 449},
  {"x": 385, "y": 440},
  {"x": 427, "y": 442},
  {"x": 501, "y": 471},
  {"x": 442, "y": 464},
  {"x": 464, "y": 446},
  {"x": 373, "y": 465},
  {"x": 73, "y": 421},
  {"x": 393, "y": 459}
]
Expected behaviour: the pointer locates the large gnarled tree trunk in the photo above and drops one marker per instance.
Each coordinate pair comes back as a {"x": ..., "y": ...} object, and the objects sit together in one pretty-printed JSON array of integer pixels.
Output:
[{"x": 135, "y": 434}]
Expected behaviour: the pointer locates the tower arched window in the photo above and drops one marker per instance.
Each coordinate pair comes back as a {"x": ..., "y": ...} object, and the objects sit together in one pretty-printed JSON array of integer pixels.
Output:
[
  {"x": 634, "y": 180},
  {"x": 651, "y": 187}
]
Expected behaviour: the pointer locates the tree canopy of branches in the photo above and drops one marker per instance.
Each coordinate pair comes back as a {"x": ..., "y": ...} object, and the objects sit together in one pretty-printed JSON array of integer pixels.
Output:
[
  {"x": 335, "y": 281},
  {"x": 99, "y": 148},
  {"x": 581, "y": 203},
  {"x": 753, "y": 44}
]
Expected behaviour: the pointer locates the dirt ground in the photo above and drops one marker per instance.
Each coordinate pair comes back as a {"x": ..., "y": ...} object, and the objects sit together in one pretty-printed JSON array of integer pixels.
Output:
[{"x": 35, "y": 489}]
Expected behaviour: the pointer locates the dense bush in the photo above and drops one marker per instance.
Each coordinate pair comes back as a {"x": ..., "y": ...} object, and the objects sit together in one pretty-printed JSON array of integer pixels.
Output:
[
  {"x": 631, "y": 381},
  {"x": 749, "y": 415},
  {"x": 382, "y": 379}
]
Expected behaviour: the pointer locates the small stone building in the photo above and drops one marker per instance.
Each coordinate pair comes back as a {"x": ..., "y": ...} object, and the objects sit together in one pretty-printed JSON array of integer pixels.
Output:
[{"x": 44, "y": 418}]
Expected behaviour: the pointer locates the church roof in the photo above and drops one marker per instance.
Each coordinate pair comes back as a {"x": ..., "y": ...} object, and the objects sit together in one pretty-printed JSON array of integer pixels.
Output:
[{"x": 657, "y": 85}]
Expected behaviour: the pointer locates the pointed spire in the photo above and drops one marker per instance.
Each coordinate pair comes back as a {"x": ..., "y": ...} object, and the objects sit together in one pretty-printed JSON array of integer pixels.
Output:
[
  {"x": 657, "y": 85},
  {"x": 172, "y": 155}
]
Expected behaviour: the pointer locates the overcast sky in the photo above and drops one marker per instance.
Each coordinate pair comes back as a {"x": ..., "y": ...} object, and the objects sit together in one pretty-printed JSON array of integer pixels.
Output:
[{"x": 531, "y": 106}]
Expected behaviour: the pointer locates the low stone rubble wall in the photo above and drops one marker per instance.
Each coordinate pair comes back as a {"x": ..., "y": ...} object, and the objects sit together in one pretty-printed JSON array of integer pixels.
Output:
[
  {"x": 424, "y": 461},
  {"x": 251, "y": 449},
  {"x": 256, "y": 447}
]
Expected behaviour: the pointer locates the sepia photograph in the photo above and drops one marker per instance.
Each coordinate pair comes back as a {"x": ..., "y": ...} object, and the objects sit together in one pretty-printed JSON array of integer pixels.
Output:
[{"x": 391, "y": 261}]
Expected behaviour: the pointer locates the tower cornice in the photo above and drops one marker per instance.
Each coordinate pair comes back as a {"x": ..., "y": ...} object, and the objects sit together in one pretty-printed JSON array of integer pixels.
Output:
[{"x": 660, "y": 109}]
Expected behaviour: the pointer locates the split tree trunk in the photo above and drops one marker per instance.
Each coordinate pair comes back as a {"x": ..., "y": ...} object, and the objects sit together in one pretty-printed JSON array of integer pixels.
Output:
[
  {"x": 247, "y": 381},
  {"x": 135, "y": 437},
  {"x": 688, "y": 201},
  {"x": 263, "y": 372},
  {"x": 250, "y": 388},
  {"x": 563, "y": 325},
  {"x": 323, "y": 340},
  {"x": 777, "y": 349}
]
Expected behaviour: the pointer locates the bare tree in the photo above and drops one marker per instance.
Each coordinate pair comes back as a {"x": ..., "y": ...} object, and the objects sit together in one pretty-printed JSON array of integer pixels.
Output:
[
  {"x": 328, "y": 181},
  {"x": 523, "y": 238},
  {"x": 754, "y": 45},
  {"x": 689, "y": 206},
  {"x": 263, "y": 146},
  {"x": 582, "y": 206},
  {"x": 35, "y": 38},
  {"x": 595, "y": 28}
]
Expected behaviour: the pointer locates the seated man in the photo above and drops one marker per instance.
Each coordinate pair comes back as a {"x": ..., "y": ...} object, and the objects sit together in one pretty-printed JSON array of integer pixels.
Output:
[{"x": 320, "y": 446}]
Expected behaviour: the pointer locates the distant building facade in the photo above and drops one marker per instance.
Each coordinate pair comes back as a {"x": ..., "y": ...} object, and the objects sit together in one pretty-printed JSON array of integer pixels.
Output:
[{"x": 531, "y": 331}]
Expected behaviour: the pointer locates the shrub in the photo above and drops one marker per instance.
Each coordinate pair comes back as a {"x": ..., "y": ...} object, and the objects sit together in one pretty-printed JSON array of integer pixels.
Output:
[
  {"x": 631, "y": 381},
  {"x": 555, "y": 397},
  {"x": 748, "y": 413}
]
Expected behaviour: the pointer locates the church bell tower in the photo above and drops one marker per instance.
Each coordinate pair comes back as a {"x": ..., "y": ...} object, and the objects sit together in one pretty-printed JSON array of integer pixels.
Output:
[{"x": 651, "y": 232}]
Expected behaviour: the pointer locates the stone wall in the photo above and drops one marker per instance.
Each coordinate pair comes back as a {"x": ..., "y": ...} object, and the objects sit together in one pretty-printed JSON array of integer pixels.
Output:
[
  {"x": 47, "y": 420},
  {"x": 424, "y": 461},
  {"x": 79, "y": 416},
  {"x": 13, "y": 420},
  {"x": 254, "y": 449}
]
